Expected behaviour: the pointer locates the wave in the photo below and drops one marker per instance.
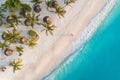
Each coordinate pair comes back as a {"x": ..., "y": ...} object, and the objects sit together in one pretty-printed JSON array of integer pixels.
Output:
[{"x": 83, "y": 37}]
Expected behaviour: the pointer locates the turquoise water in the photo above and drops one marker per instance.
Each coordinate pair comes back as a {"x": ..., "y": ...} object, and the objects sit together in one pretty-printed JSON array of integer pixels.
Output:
[{"x": 100, "y": 57}]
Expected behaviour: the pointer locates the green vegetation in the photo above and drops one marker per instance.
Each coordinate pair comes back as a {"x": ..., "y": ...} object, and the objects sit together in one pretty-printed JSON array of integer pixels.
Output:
[
  {"x": 12, "y": 5},
  {"x": 57, "y": 8},
  {"x": 3, "y": 45},
  {"x": 19, "y": 13},
  {"x": 32, "y": 43},
  {"x": 37, "y": 2},
  {"x": 51, "y": 4},
  {"x": 25, "y": 10},
  {"x": 48, "y": 28},
  {"x": 33, "y": 35},
  {"x": 19, "y": 49},
  {"x": 16, "y": 65},
  {"x": 14, "y": 19},
  {"x": 11, "y": 37},
  {"x": 32, "y": 20},
  {"x": 68, "y": 2},
  {"x": 60, "y": 11}
]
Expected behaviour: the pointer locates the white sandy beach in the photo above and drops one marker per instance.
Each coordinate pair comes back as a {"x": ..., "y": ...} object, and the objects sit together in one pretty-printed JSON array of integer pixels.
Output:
[{"x": 52, "y": 50}]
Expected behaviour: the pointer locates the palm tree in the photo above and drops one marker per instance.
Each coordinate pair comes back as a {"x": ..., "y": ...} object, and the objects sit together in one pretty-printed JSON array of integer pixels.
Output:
[
  {"x": 25, "y": 10},
  {"x": 5, "y": 35},
  {"x": 60, "y": 11},
  {"x": 54, "y": 4},
  {"x": 12, "y": 5},
  {"x": 8, "y": 52},
  {"x": 48, "y": 28},
  {"x": 37, "y": 2},
  {"x": 32, "y": 20},
  {"x": 11, "y": 37},
  {"x": 51, "y": 4},
  {"x": 19, "y": 49},
  {"x": 16, "y": 65},
  {"x": 14, "y": 19},
  {"x": 47, "y": 20},
  {"x": 32, "y": 43},
  {"x": 3, "y": 45},
  {"x": 68, "y": 2},
  {"x": 33, "y": 35}
]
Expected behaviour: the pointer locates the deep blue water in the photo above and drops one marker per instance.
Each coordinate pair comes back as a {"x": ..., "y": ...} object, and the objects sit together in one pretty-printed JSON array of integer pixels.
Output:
[{"x": 100, "y": 57}]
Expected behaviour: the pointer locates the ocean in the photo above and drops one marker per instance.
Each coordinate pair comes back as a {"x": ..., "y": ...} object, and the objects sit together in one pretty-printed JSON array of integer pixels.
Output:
[{"x": 99, "y": 59}]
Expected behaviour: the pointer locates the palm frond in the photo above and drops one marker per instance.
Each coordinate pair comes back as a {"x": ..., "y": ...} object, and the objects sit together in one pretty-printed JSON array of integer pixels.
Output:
[
  {"x": 32, "y": 20},
  {"x": 68, "y": 2},
  {"x": 19, "y": 49},
  {"x": 33, "y": 35},
  {"x": 12, "y": 5},
  {"x": 49, "y": 28},
  {"x": 60, "y": 11},
  {"x": 17, "y": 65},
  {"x": 12, "y": 37},
  {"x": 37, "y": 2},
  {"x": 32, "y": 43},
  {"x": 49, "y": 3},
  {"x": 14, "y": 19},
  {"x": 3, "y": 45}
]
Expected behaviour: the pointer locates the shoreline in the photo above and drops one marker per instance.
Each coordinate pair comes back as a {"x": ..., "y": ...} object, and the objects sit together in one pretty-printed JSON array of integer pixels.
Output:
[
  {"x": 53, "y": 51},
  {"x": 64, "y": 55},
  {"x": 89, "y": 31}
]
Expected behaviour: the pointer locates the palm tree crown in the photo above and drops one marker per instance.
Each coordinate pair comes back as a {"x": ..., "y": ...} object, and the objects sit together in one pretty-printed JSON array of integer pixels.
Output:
[
  {"x": 16, "y": 65},
  {"x": 60, "y": 11},
  {"x": 33, "y": 35},
  {"x": 68, "y": 2},
  {"x": 19, "y": 49},
  {"x": 25, "y": 10},
  {"x": 14, "y": 19},
  {"x": 12, "y": 37},
  {"x": 37, "y": 2},
  {"x": 51, "y": 3},
  {"x": 48, "y": 28},
  {"x": 32, "y": 20},
  {"x": 12, "y": 5}
]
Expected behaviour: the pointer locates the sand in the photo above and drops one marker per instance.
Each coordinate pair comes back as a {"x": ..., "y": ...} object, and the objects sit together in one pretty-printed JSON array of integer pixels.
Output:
[{"x": 52, "y": 50}]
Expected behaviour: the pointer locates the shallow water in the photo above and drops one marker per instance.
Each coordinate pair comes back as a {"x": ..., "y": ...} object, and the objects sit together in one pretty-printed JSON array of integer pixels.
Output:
[{"x": 100, "y": 57}]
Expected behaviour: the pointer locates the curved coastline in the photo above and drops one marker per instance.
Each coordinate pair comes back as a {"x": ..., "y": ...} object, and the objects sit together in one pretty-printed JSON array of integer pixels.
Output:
[{"x": 83, "y": 37}]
